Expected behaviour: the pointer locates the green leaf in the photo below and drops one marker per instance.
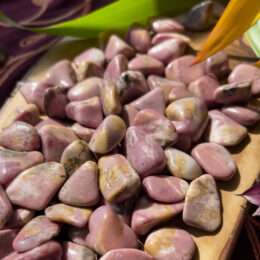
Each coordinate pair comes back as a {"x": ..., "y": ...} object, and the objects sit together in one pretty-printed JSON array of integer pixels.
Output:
[
  {"x": 117, "y": 16},
  {"x": 253, "y": 35}
]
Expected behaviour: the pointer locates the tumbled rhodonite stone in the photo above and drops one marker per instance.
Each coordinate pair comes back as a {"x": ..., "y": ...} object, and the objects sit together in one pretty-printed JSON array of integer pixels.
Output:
[
  {"x": 13, "y": 163},
  {"x": 170, "y": 243},
  {"x": 5, "y": 207},
  {"x": 35, "y": 233},
  {"x": 241, "y": 115},
  {"x": 202, "y": 204},
  {"x": 193, "y": 112},
  {"x": 92, "y": 54},
  {"x": 160, "y": 37},
  {"x": 107, "y": 232},
  {"x": 139, "y": 38},
  {"x": 148, "y": 214},
  {"x": 184, "y": 137},
  {"x": 81, "y": 189},
  {"x": 74, "y": 155},
  {"x": 71, "y": 215},
  {"x": 215, "y": 160},
  {"x": 168, "y": 50},
  {"x": 29, "y": 113},
  {"x": 143, "y": 152},
  {"x": 88, "y": 69},
  {"x": 55, "y": 101},
  {"x": 131, "y": 85},
  {"x": 108, "y": 135},
  {"x": 115, "y": 68},
  {"x": 117, "y": 179},
  {"x": 181, "y": 69},
  {"x": 126, "y": 254},
  {"x": 86, "y": 112},
  {"x": 78, "y": 235},
  {"x": 85, "y": 89},
  {"x": 157, "y": 126},
  {"x": 181, "y": 164},
  {"x": 72, "y": 251},
  {"x": 233, "y": 93},
  {"x": 82, "y": 132},
  {"x": 20, "y": 136},
  {"x": 35, "y": 187},
  {"x": 33, "y": 92},
  {"x": 6, "y": 237},
  {"x": 54, "y": 140},
  {"x": 61, "y": 74},
  {"x": 49, "y": 250},
  {"x": 160, "y": 25},
  {"x": 223, "y": 130},
  {"x": 164, "y": 188},
  {"x": 146, "y": 64}
]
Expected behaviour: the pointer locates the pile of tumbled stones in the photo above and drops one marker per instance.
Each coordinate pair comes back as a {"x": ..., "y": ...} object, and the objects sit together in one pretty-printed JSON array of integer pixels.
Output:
[{"x": 143, "y": 141}]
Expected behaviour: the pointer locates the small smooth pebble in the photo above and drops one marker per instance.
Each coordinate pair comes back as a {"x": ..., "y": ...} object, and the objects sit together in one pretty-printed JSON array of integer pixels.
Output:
[
  {"x": 164, "y": 188},
  {"x": 164, "y": 36},
  {"x": 5, "y": 207},
  {"x": 184, "y": 136},
  {"x": 215, "y": 160},
  {"x": 181, "y": 164},
  {"x": 88, "y": 69},
  {"x": 78, "y": 235},
  {"x": 148, "y": 214},
  {"x": 92, "y": 54},
  {"x": 29, "y": 113},
  {"x": 48, "y": 121},
  {"x": 160, "y": 25},
  {"x": 6, "y": 237},
  {"x": 35, "y": 187},
  {"x": 82, "y": 132},
  {"x": 202, "y": 204}
]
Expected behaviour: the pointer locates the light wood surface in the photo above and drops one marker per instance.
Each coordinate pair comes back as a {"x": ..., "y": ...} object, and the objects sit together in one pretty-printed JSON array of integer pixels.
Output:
[{"x": 213, "y": 246}]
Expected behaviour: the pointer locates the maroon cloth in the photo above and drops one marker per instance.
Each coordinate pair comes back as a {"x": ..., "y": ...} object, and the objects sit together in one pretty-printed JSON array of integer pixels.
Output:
[{"x": 25, "y": 48}]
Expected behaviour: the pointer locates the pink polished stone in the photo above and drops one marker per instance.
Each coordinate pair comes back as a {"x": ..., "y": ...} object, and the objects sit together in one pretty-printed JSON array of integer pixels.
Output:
[
  {"x": 217, "y": 65},
  {"x": 70, "y": 215},
  {"x": 81, "y": 189},
  {"x": 13, "y": 163},
  {"x": 184, "y": 136},
  {"x": 126, "y": 254},
  {"x": 82, "y": 132},
  {"x": 35, "y": 187},
  {"x": 117, "y": 46},
  {"x": 29, "y": 114},
  {"x": 181, "y": 69},
  {"x": 92, "y": 54},
  {"x": 157, "y": 126},
  {"x": 50, "y": 250},
  {"x": 20, "y": 136},
  {"x": 202, "y": 204},
  {"x": 246, "y": 72},
  {"x": 138, "y": 38},
  {"x": 131, "y": 85},
  {"x": 115, "y": 68},
  {"x": 164, "y": 188},
  {"x": 129, "y": 113},
  {"x": 204, "y": 88},
  {"x": 168, "y": 50},
  {"x": 78, "y": 235},
  {"x": 6, "y": 237},
  {"x": 193, "y": 112},
  {"x": 172, "y": 89},
  {"x": 33, "y": 92},
  {"x": 5, "y": 207},
  {"x": 170, "y": 243},
  {"x": 118, "y": 181},
  {"x": 215, "y": 160},
  {"x": 148, "y": 214},
  {"x": 160, "y": 25},
  {"x": 48, "y": 121},
  {"x": 86, "y": 112},
  {"x": 154, "y": 99},
  {"x": 233, "y": 93},
  {"x": 55, "y": 101},
  {"x": 108, "y": 135},
  {"x": 241, "y": 115},
  {"x": 36, "y": 232},
  {"x": 146, "y": 65},
  {"x": 108, "y": 232},
  {"x": 181, "y": 164},
  {"x": 223, "y": 130},
  {"x": 54, "y": 140},
  {"x": 85, "y": 89},
  {"x": 143, "y": 152},
  {"x": 72, "y": 251},
  {"x": 61, "y": 74},
  {"x": 160, "y": 37},
  {"x": 88, "y": 69}
]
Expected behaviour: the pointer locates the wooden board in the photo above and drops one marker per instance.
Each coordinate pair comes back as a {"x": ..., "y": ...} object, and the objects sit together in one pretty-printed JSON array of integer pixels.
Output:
[{"x": 217, "y": 245}]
